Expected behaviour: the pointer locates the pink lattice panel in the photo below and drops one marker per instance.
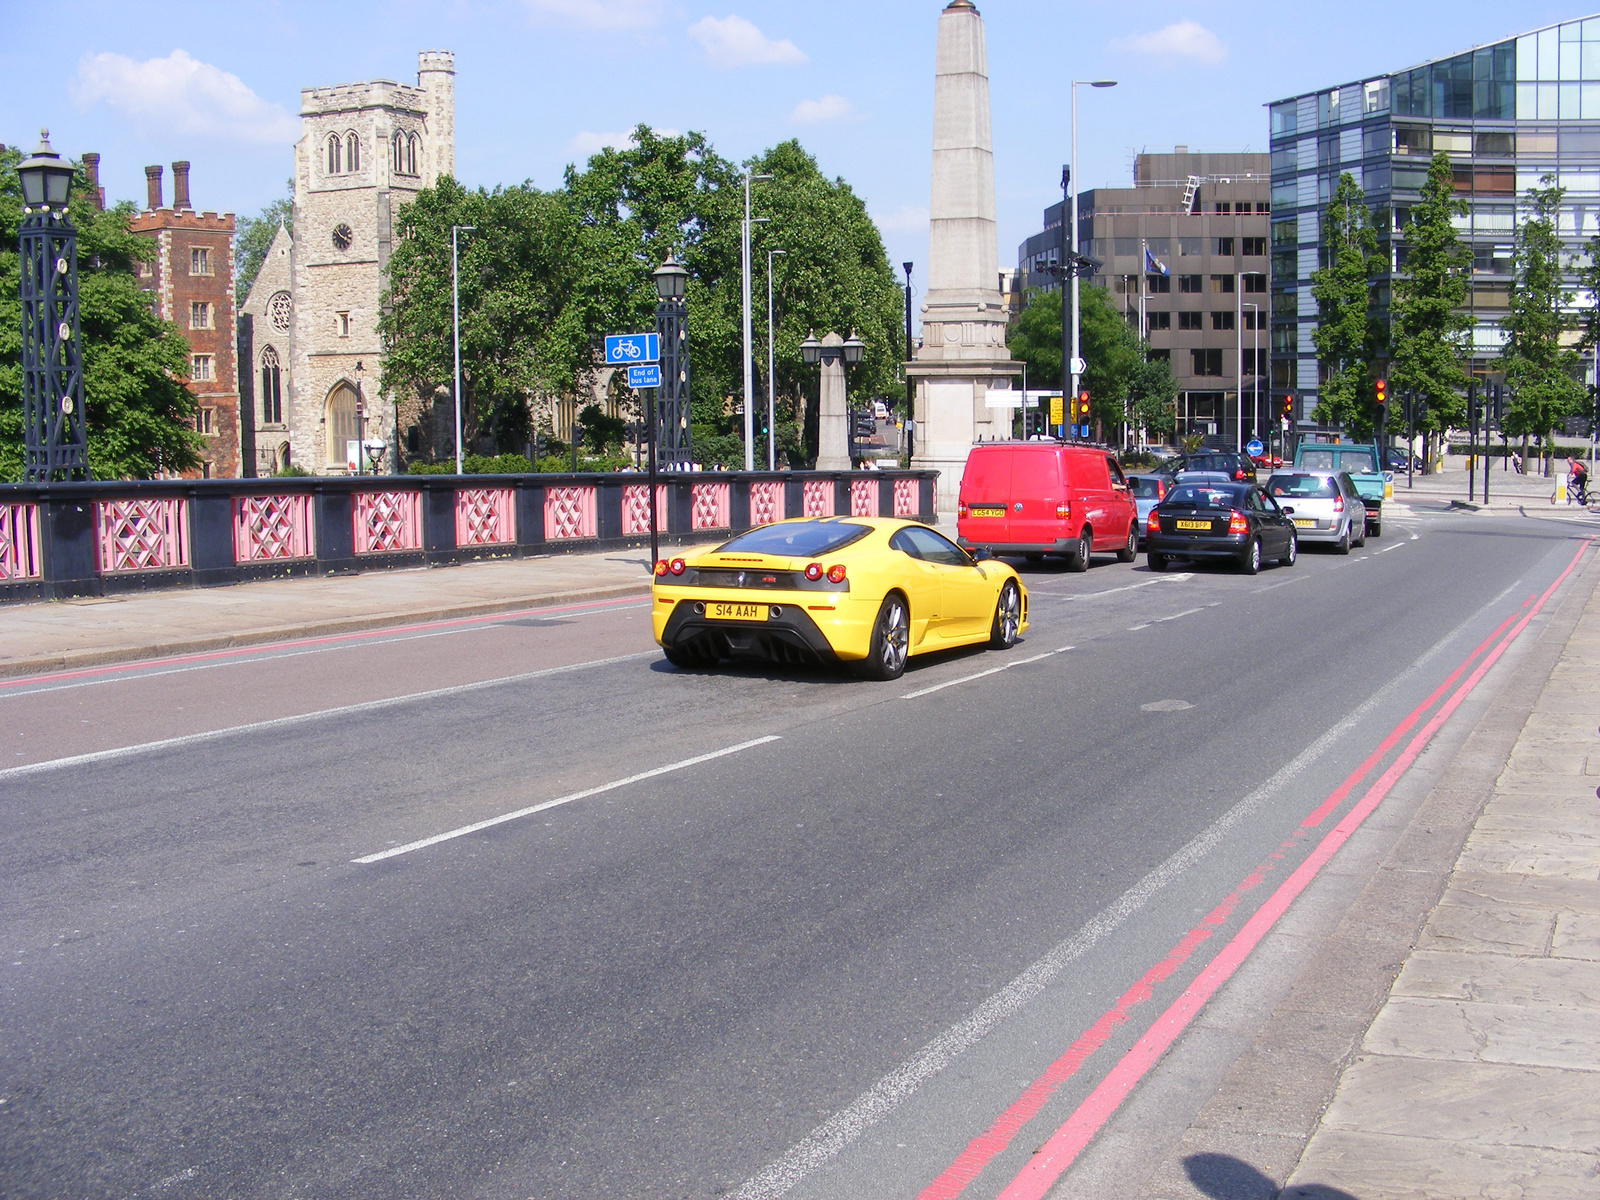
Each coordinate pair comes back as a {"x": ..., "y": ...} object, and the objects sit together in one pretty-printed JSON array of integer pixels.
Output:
[
  {"x": 569, "y": 513},
  {"x": 142, "y": 535},
  {"x": 709, "y": 505},
  {"x": 863, "y": 497},
  {"x": 19, "y": 541},
  {"x": 269, "y": 527},
  {"x": 766, "y": 502},
  {"x": 818, "y": 498},
  {"x": 388, "y": 522},
  {"x": 485, "y": 517},
  {"x": 636, "y": 508},
  {"x": 905, "y": 497}
]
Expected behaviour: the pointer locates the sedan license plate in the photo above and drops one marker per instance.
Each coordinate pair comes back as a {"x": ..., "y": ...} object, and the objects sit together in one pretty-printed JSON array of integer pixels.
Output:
[
  {"x": 737, "y": 612},
  {"x": 1193, "y": 524},
  {"x": 987, "y": 510},
  {"x": 1305, "y": 523}
]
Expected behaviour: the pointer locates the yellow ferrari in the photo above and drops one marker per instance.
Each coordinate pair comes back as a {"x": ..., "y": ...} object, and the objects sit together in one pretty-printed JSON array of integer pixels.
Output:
[{"x": 866, "y": 591}]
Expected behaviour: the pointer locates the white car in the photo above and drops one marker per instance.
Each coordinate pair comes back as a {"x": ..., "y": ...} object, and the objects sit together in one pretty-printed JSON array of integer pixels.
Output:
[{"x": 1324, "y": 505}]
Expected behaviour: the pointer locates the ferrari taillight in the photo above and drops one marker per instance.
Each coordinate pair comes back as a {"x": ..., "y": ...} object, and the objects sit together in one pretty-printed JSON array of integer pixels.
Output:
[
  {"x": 661, "y": 567},
  {"x": 836, "y": 573},
  {"x": 676, "y": 566},
  {"x": 1238, "y": 523},
  {"x": 813, "y": 571}
]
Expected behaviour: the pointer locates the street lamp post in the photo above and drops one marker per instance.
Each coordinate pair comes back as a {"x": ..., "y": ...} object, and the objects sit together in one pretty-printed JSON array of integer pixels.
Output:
[
  {"x": 670, "y": 279},
  {"x": 1072, "y": 214},
  {"x": 749, "y": 361},
  {"x": 55, "y": 439},
  {"x": 1255, "y": 371},
  {"x": 361, "y": 424},
  {"x": 772, "y": 386},
  {"x": 911, "y": 385},
  {"x": 455, "y": 301},
  {"x": 672, "y": 329}
]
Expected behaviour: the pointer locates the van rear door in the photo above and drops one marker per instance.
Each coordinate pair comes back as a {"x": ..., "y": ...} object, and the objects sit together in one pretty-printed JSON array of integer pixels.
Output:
[
  {"x": 986, "y": 495},
  {"x": 1037, "y": 487}
]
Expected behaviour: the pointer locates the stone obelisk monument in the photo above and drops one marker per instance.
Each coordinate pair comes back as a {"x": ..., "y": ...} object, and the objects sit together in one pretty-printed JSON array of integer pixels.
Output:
[{"x": 963, "y": 351}]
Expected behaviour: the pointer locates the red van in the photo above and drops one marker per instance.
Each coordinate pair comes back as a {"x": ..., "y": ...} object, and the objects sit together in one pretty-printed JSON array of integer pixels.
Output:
[{"x": 1038, "y": 498}]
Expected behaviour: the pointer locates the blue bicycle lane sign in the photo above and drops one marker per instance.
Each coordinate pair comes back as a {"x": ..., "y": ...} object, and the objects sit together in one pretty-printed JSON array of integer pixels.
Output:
[{"x": 630, "y": 349}]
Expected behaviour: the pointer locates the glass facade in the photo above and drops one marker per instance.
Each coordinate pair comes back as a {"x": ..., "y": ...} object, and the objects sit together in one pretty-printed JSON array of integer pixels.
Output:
[{"x": 1507, "y": 115}]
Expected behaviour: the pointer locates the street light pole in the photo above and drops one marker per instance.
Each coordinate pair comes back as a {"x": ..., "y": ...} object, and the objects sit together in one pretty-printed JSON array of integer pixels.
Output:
[
  {"x": 455, "y": 301},
  {"x": 749, "y": 362},
  {"x": 1255, "y": 373},
  {"x": 911, "y": 385},
  {"x": 1072, "y": 205},
  {"x": 772, "y": 386},
  {"x": 361, "y": 424}
]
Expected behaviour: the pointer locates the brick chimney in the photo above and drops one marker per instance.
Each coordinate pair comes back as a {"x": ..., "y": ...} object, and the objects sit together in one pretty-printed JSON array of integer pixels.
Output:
[
  {"x": 180, "y": 186},
  {"x": 152, "y": 185},
  {"x": 91, "y": 172}
]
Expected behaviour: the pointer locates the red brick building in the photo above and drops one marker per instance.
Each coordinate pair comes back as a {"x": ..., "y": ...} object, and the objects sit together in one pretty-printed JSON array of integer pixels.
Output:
[{"x": 191, "y": 277}]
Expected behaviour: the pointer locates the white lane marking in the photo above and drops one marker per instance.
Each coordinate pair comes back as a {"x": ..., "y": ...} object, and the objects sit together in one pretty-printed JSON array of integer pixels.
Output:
[
  {"x": 489, "y": 822},
  {"x": 1188, "y": 612},
  {"x": 1386, "y": 549},
  {"x": 1413, "y": 537},
  {"x": 1180, "y": 577},
  {"x": 939, "y": 687},
  {"x": 883, "y": 1097},
  {"x": 279, "y": 723}
]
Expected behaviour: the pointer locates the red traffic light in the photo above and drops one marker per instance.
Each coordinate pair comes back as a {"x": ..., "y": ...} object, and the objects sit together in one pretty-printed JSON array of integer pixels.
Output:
[{"x": 1381, "y": 385}]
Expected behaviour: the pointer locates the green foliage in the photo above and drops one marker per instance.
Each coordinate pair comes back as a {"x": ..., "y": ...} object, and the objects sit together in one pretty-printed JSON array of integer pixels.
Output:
[
  {"x": 1429, "y": 323},
  {"x": 1541, "y": 374},
  {"x": 292, "y": 471},
  {"x": 139, "y": 414},
  {"x": 1153, "y": 391},
  {"x": 1349, "y": 334},
  {"x": 253, "y": 238},
  {"x": 601, "y": 432}
]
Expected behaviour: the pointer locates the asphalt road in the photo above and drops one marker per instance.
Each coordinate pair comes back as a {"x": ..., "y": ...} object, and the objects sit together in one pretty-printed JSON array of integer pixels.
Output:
[{"x": 816, "y": 962}]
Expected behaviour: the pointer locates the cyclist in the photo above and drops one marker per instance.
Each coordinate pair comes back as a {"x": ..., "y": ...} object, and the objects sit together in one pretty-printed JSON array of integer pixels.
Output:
[{"x": 1578, "y": 481}]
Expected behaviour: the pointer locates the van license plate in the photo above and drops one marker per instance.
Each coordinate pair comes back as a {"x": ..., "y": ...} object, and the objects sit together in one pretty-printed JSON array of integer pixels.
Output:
[
  {"x": 987, "y": 510},
  {"x": 737, "y": 612}
]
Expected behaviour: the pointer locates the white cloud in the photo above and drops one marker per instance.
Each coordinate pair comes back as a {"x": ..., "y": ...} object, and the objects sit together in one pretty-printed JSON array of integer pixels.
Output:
[
  {"x": 734, "y": 42},
  {"x": 824, "y": 108},
  {"x": 1185, "y": 39},
  {"x": 586, "y": 143},
  {"x": 600, "y": 14},
  {"x": 179, "y": 94},
  {"x": 908, "y": 218}
]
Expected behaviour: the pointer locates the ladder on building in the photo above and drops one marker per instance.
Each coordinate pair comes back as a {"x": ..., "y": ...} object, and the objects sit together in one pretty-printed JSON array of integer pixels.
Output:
[{"x": 1189, "y": 194}]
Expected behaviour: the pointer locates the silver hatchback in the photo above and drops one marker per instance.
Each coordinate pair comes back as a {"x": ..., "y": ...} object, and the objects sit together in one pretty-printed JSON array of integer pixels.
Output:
[{"x": 1324, "y": 505}]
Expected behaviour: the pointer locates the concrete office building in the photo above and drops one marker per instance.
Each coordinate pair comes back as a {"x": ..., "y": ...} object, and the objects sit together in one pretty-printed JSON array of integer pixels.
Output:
[
  {"x": 1507, "y": 114},
  {"x": 1204, "y": 218}
]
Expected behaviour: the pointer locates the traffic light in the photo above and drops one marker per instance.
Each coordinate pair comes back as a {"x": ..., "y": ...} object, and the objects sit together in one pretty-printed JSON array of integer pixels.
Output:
[
  {"x": 1382, "y": 389},
  {"x": 1288, "y": 408},
  {"x": 1083, "y": 408}
]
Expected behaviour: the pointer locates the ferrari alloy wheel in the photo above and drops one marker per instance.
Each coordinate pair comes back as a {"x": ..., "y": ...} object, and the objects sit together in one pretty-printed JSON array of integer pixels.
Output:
[
  {"x": 1007, "y": 618},
  {"x": 1131, "y": 551},
  {"x": 891, "y": 640},
  {"x": 1078, "y": 558},
  {"x": 1288, "y": 559},
  {"x": 1251, "y": 562}
]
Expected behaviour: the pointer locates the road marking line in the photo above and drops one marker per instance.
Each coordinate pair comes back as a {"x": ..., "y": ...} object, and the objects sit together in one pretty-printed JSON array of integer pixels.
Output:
[
  {"x": 546, "y": 805},
  {"x": 939, "y": 687},
  {"x": 277, "y": 723},
  {"x": 1063, "y": 1147},
  {"x": 1180, "y": 577},
  {"x": 1188, "y": 612}
]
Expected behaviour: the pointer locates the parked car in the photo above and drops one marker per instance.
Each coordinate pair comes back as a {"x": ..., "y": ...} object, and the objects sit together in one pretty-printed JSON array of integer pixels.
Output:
[
  {"x": 1233, "y": 520},
  {"x": 1399, "y": 460},
  {"x": 865, "y": 591},
  {"x": 1148, "y": 491},
  {"x": 1038, "y": 498},
  {"x": 1325, "y": 506},
  {"x": 1236, "y": 466},
  {"x": 1271, "y": 462},
  {"x": 1357, "y": 460}
]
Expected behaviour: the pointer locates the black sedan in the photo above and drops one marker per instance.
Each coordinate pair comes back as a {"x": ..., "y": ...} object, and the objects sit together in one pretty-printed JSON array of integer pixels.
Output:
[
  {"x": 1220, "y": 462},
  {"x": 1237, "y": 521}
]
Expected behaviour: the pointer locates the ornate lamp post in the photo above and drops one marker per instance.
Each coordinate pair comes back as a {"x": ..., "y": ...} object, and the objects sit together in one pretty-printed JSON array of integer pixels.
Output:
[
  {"x": 361, "y": 423},
  {"x": 671, "y": 410},
  {"x": 54, "y": 437}
]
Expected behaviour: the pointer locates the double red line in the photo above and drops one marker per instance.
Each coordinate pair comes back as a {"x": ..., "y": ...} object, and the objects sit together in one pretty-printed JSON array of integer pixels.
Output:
[{"x": 1063, "y": 1147}]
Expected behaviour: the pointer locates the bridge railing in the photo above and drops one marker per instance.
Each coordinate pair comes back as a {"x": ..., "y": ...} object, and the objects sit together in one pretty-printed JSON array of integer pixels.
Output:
[{"x": 87, "y": 539}]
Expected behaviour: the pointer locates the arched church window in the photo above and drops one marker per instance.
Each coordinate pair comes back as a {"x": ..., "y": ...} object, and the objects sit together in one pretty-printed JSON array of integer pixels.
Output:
[
  {"x": 279, "y": 309},
  {"x": 397, "y": 152},
  {"x": 411, "y": 153},
  {"x": 335, "y": 155},
  {"x": 271, "y": 388},
  {"x": 352, "y": 152},
  {"x": 340, "y": 422}
]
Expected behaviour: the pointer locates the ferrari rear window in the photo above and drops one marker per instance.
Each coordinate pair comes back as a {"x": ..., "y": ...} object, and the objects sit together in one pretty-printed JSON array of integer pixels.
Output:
[{"x": 797, "y": 539}]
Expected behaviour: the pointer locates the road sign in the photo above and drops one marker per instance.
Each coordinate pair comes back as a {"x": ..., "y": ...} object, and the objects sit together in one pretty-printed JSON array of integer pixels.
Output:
[
  {"x": 1253, "y": 448},
  {"x": 1079, "y": 366},
  {"x": 646, "y": 376},
  {"x": 1057, "y": 410},
  {"x": 626, "y": 349}
]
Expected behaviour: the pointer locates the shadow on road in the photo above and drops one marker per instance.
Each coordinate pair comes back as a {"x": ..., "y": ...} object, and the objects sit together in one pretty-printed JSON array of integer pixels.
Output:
[{"x": 1224, "y": 1177}]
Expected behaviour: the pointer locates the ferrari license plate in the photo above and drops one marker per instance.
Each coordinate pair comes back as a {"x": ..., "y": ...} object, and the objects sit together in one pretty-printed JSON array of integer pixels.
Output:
[
  {"x": 1194, "y": 524},
  {"x": 1304, "y": 523},
  {"x": 987, "y": 510},
  {"x": 737, "y": 612}
]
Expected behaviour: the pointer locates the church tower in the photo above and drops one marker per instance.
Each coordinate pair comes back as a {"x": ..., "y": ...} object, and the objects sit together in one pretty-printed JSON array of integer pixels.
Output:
[{"x": 365, "y": 150}]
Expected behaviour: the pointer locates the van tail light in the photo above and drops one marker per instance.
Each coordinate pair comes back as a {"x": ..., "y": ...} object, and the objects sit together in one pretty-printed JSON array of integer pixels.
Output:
[
  {"x": 836, "y": 573},
  {"x": 1063, "y": 512},
  {"x": 813, "y": 571},
  {"x": 1152, "y": 524},
  {"x": 676, "y": 566},
  {"x": 961, "y": 512},
  {"x": 1338, "y": 504},
  {"x": 661, "y": 567},
  {"x": 1238, "y": 523}
]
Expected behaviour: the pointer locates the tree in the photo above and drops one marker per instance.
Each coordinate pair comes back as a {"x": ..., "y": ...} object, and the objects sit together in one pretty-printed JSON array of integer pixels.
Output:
[
  {"x": 253, "y": 239},
  {"x": 1541, "y": 373},
  {"x": 1589, "y": 282},
  {"x": 1429, "y": 323},
  {"x": 1348, "y": 334},
  {"x": 139, "y": 415},
  {"x": 1117, "y": 368},
  {"x": 1153, "y": 390}
]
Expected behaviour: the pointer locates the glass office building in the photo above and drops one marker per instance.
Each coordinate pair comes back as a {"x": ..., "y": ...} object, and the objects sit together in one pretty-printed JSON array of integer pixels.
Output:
[{"x": 1508, "y": 114}]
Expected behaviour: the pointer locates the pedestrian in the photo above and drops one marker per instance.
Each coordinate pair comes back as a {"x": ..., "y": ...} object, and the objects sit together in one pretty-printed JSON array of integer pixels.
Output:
[{"x": 1516, "y": 462}]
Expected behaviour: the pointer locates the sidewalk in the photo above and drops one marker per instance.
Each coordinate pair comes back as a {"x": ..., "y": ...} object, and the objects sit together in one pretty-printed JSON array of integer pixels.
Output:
[
  {"x": 1507, "y": 489},
  {"x": 1480, "y": 1075},
  {"x": 58, "y": 635}
]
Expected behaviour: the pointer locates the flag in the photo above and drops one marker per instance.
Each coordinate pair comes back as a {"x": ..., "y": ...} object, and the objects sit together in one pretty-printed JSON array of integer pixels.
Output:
[{"x": 1153, "y": 265}]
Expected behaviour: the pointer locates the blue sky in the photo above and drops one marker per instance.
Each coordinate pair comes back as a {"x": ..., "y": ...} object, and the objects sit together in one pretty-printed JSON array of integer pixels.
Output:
[{"x": 541, "y": 82}]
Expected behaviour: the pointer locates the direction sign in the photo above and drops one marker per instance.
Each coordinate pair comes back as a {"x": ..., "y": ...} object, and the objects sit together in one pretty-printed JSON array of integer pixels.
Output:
[
  {"x": 643, "y": 377},
  {"x": 1078, "y": 366},
  {"x": 626, "y": 349},
  {"x": 1254, "y": 448}
]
